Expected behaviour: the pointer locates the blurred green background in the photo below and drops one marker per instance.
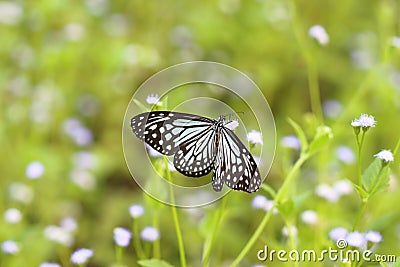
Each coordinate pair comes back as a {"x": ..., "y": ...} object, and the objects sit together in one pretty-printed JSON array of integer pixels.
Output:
[{"x": 70, "y": 68}]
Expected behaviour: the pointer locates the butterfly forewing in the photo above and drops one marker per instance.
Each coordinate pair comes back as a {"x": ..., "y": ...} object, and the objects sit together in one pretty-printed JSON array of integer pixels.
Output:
[
  {"x": 165, "y": 131},
  {"x": 240, "y": 169}
]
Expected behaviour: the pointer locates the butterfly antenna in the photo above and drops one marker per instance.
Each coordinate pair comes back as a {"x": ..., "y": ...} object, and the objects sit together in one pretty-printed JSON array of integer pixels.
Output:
[{"x": 233, "y": 116}]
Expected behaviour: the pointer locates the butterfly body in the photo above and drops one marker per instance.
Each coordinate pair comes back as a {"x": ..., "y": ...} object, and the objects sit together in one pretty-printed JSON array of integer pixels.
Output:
[{"x": 199, "y": 145}]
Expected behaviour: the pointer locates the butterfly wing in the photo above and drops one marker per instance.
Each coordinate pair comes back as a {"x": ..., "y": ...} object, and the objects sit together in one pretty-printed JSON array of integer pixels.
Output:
[
  {"x": 234, "y": 165},
  {"x": 188, "y": 137}
]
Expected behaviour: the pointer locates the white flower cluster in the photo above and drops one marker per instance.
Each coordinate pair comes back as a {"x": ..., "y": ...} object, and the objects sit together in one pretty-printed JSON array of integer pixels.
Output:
[
  {"x": 255, "y": 137},
  {"x": 319, "y": 33},
  {"x": 81, "y": 256},
  {"x": 365, "y": 121},
  {"x": 62, "y": 234},
  {"x": 385, "y": 155},
  {"x": 334, "y": 192},
  {"x": 79, "y": 133},
  {"x": 150, "y": 234},
  {"x": 136, "y": 210},
  {"x": 122, "y": 236},
  {"x": 153, "y": 99},
  {"x": 261, "y": 202},
  {"x": 355, "y": 238}
]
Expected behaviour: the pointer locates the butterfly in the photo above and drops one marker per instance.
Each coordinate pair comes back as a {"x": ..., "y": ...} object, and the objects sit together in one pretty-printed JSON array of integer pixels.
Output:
[{"x": 198, "y": 146}]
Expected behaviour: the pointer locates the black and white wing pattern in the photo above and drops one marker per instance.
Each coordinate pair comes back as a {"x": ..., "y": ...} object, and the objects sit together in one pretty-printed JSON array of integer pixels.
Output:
[
  {"x": 188, "y": 137},
  {"x": 234, "y": 165},
  {"x": 199, "y": 145}
]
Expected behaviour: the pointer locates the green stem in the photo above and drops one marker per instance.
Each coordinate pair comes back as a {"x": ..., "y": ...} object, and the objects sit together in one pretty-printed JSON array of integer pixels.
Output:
[
  {"x": 291, "y": 240},
  {"x": 118, "y": 254},
  {"x": 397, "y": 147},
  {"x": 280, "y": 195},
  {"x": 315, "y": 99},
  {"x": 156, "y": 244},
  {"x": 360, "y": 144},
  {"x": 136, "y": 241},
  {"x": 378, "y": 180},
  {"x": 312, "y": 70},
  {"x": 175, "y": 217},
  {"x": 359, "y": 214},
  {"x": 269, "y": 190},
  {"x": 207, "y": 253}
]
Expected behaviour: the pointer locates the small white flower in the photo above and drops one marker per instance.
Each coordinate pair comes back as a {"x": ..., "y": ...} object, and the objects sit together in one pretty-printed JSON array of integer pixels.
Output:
[
  {"x": 259, "y": 202},
  {"x": 327, "y": 192},
  {"x": 49, "y": 264},
  {"x": 12, "y": 216},
  {"x": 292, "y": 230},
  {"x": 136, "y": 210},
  {"x": 153, "y": 153},
  {"x": 10, "y": 247},
  {"x": 81, "y": 256},
  {"x": 74, "y": 31},
  {"x": 34, "y": 170},
  {"x": 309, "y": 217},
  {"x": 10, "y": 12},
  {"x": 69, "y": 224},
  {"x": 21, "y": 192},
  {"x": 373, "y": 236},
  {"x": 319, "y": 33},
  {"x": 269, "y": 205},
  {"x": 83, "y": 178},
  {"x": 122, "y": 236},
  {"x": 385, "y": 155},
  {"x": 364, "y": 121},
  {"x": 338, "y": 233},
  {"x": 367, "y": 120},
  {"x": 343, "y": 187},
  {"x": 355, "y": 123},
  {"x": 231, "y": 125},
  {"x": 356, "y": 239},
  {"x": 81, "y": 135},
  {"x": 332, "y": 108},
  {"x": 58, "y": 234},
  {"x": 152, "y": 99},
  {"x": 150, "y": 234},
  {"x": 255, "y": 137},
  {"x": 396, "y": 41},
  {"x": 84, "y": 160},
  {"x": 345, "y": 154},
  {"x": 291, "y": 141}
]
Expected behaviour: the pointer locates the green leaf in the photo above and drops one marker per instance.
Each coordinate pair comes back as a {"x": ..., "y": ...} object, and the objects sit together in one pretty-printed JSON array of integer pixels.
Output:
[
  {"x": 397, "y": 263},
  {"x": 154, "y": 263},
  {"x": 287, "y": 209},
  {"x": 376, "y": 177},
  {"x": 300, "y": 199},
  {"x": 140, "y": 105},
  {"x": 363, "y": 194},
  {"x": 268, "y": 189},
  {"x": 300, "y": 133},
  {"x": 321, "y": 139}
]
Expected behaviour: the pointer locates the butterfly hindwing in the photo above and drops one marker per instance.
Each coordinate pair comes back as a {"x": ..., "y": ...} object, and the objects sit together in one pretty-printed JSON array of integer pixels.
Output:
[
  {"x": 195, "y": 157},
  {"x": 238, "y": 166}
]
